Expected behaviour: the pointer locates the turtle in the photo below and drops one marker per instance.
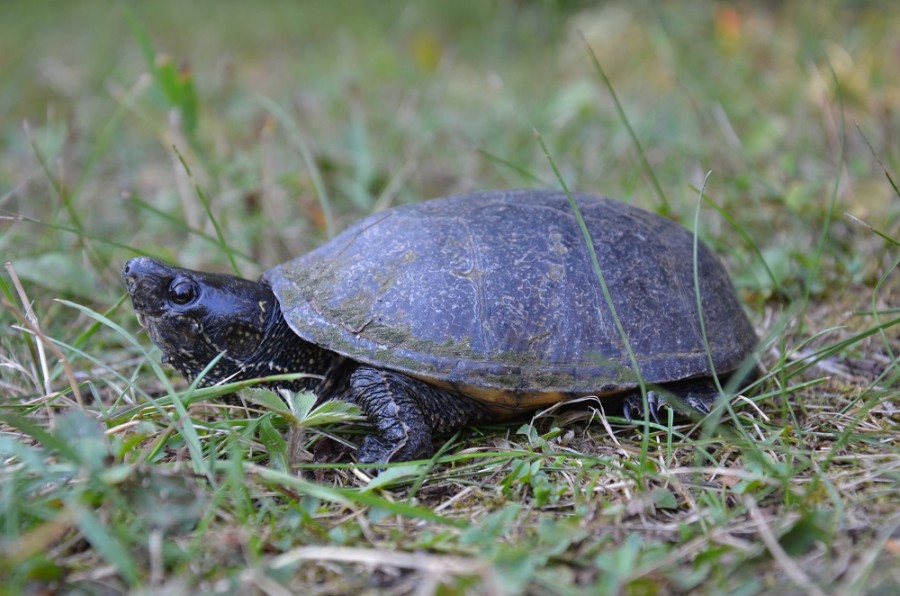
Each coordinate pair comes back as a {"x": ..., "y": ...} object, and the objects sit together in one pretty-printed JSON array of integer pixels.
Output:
[{"x": 465, "y": 309}]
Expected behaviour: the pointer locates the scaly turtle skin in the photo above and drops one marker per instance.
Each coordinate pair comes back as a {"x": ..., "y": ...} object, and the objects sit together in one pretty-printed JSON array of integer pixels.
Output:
[{"x": 462, "y": 309}]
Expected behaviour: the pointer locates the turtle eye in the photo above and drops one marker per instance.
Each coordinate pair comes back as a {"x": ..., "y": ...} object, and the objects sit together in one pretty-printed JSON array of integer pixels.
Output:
[{"x": 182, "y": 291}]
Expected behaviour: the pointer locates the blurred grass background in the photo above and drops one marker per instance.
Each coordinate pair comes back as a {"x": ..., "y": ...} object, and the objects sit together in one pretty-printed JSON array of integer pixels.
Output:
[
  {"x": 410, "y": 101},
  {"x": 295, "y": 118}
]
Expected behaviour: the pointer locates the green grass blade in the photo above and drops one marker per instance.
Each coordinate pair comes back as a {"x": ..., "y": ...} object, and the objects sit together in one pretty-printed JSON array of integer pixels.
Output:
[
  {"x": 108, "y": 545},
  {"x": 220, "y": 235},
  {"x": 664, "y": 204},
  {"x": 598, "y": 273},
  {"x": 308, "y": 160}
]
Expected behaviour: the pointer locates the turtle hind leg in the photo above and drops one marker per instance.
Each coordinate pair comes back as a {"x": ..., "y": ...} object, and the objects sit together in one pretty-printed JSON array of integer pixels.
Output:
[
  {"x": 405, "y": 413},
  {"x": 686, "y": 398}
]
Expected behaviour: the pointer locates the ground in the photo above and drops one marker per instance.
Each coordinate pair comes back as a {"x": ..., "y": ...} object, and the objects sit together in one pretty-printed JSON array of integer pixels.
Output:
[{"x": 230, "y": 138}]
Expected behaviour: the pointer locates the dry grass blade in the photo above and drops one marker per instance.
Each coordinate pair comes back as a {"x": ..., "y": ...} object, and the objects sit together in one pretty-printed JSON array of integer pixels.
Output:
[
  {"x": 787, "y": 564},
  {"x": 438, "y": 567},
  {"x": 30, "y": 320}
]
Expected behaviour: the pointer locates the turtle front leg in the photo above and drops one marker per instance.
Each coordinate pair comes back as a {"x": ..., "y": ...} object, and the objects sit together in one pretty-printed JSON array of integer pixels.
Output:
[
  {"x": 405, "y": 412},
  {"x": 390, "y": 403}
]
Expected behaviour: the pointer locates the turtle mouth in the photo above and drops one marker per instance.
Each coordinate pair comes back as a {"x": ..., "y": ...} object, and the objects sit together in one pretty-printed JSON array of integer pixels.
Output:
[
  {"x": 143, "y": 293},
  {"x": 145, "y": 280}
]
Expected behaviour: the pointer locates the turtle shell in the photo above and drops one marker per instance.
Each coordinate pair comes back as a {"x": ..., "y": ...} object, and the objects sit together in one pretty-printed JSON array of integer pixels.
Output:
[{"x": 495, "y": 294}]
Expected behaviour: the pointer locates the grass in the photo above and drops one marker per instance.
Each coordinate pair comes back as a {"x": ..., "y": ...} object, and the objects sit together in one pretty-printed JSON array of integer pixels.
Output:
[{"x": 232, "y": 139}]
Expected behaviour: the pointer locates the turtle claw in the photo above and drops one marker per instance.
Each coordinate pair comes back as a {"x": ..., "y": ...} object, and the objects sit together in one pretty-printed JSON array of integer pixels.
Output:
[
  {"x": 633, "y": 406},
  {"x": 689, "y": 404},
  {"x": 374, "y": 451},
  {"x": 701, "y": 404},
  {"x": 378, "y": 450}
]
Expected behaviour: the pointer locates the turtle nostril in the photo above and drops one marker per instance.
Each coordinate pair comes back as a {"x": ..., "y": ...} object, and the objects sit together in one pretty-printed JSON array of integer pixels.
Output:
[
  {"x": 137, "y": 266},
  {"x": 130, "y": 269}
]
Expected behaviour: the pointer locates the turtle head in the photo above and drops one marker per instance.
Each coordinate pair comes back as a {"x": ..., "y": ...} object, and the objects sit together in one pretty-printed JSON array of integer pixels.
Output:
[{"x": 193, "y": 317}]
